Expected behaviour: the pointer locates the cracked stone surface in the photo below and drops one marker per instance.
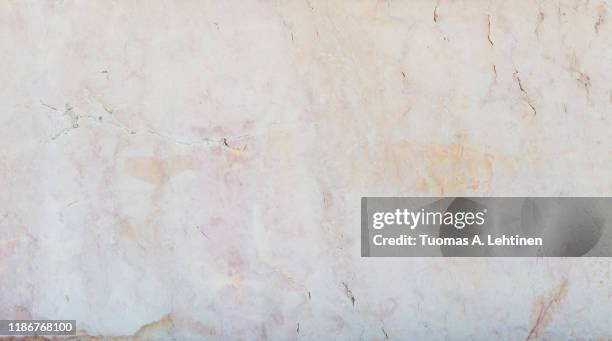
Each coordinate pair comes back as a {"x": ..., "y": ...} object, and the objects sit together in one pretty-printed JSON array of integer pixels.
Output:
[{"x": 193, "y": 169}]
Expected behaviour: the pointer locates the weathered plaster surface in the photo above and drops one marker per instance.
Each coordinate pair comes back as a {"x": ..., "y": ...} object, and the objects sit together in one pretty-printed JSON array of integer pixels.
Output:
[{"x": 193, "y": 169}]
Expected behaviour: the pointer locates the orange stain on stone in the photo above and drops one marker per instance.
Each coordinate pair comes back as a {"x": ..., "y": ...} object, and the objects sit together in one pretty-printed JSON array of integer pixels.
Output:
[
  {"x": 544, "y": 308},
  {"x": 126, "y": 229},
  {"x": 441, "y": 169},
  {"x": 158, "y": 171}
]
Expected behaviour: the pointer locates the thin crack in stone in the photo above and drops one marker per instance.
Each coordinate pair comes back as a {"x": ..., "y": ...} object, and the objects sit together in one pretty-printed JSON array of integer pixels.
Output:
[
  {"x": 385, "y": 333},
  {"x": 539, "y": 24},
  {"x": 48, "y": 106},
  {"x": 600, "y": 20},
  {"x": 205, "y": 141},
  {"x": 524, "y": 92},
  {"x": 435, "y": 12},
  {"x": 489, "y": 30},
  {"x": 349, "y": 293}
]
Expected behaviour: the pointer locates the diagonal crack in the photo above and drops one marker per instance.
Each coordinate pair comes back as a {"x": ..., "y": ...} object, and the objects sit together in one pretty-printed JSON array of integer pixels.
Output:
[
  {"x": 489, "y": 30},
  {"x": 349, "y": 293},
  {"x": 524, "y": 92}
]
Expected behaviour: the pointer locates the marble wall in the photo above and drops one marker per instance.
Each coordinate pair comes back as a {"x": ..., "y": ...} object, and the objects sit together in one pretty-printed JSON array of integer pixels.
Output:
[{"x": 193, "y": 169}]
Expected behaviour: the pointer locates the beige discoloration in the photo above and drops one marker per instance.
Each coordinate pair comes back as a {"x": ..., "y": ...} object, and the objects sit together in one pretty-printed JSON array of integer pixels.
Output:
[
  {"x": 158, "y": 171},
  {"x": 126, "y": 229},
  {"x": 162, "y": 329},
  {"x": 500, "y": 18},
  {"x": 437, "y": 169},
  {"x": 169, "y": 324},
  {"x": 22, "y": 313},
  {"x": 453, "y": 168},
  {"x": 544, "y": 309},
  {"x": 582, "y": 79}
]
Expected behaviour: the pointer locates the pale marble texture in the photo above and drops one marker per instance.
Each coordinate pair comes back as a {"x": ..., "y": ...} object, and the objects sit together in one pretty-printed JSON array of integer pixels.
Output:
[{"x": 193, "y": 169}]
